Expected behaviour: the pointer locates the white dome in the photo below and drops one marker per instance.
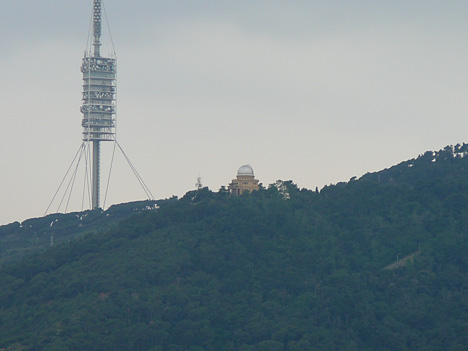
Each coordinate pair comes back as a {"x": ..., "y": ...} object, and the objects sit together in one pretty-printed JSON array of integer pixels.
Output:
[{"x": 245, "y": 170}]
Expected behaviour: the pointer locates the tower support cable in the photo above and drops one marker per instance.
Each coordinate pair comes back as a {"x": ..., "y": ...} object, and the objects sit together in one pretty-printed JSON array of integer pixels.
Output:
[
  {"x": 71, "y": 182},
  {"x": 63, "y": 179},
  {"x": 142, "y": 183}
]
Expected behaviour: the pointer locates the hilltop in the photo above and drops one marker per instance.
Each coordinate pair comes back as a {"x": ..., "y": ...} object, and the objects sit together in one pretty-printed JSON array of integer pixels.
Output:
[{"x": 281, "y": 269}]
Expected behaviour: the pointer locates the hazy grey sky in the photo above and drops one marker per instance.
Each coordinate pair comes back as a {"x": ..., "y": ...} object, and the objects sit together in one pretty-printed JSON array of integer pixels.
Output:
[{"x": 313, "y": 91}]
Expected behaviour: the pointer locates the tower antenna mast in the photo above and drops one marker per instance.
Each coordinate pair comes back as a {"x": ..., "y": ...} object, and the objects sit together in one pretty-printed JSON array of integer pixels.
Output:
[{"x": 97, "y": 14}]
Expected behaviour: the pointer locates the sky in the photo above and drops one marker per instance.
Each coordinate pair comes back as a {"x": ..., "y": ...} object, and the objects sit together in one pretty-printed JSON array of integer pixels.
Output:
[{"x": 311, "y": 91}]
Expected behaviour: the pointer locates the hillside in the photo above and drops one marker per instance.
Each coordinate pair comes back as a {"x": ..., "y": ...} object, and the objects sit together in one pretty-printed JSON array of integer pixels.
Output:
[
  {"x": 19, "y": 240},
  {"x": 446, "y": 163},
  {"x": 281, "y": 269}
]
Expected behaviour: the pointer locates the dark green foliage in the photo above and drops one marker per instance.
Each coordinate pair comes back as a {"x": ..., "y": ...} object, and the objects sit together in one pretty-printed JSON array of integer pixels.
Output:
[
  {"x": 18, "y": 240},
  {"x": 282, "y": 269}
]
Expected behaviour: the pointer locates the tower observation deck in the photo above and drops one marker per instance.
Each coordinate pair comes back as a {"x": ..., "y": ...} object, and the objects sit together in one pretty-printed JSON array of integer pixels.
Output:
[
  {"x": 99, "y": 99},
  {"x": 99, "y": 87}
]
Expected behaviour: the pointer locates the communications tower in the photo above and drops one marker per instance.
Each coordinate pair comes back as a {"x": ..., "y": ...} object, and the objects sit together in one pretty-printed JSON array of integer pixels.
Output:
[
  {"x": 99, "y": 100},
  {"x": 99, "y": 119}
]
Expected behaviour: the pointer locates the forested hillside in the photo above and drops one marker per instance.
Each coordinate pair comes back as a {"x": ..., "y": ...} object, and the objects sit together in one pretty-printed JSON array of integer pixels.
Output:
[
  {"x": 282, "y": 269},
  {"x": 18, "y": 240}
]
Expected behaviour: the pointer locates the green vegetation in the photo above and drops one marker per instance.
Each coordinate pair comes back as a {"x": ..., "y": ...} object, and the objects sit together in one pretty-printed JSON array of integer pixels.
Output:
[
  {"x": 18, "y": 240},
  {"x": 282, "y": 269}
]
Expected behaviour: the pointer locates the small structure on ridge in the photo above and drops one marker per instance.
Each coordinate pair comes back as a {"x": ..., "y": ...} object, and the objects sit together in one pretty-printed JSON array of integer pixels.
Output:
[{"x": 245, "y": 181}]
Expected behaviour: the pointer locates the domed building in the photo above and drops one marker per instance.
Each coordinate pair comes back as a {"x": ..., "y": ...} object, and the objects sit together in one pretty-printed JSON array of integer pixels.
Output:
[{"x": 244, "y": 182}]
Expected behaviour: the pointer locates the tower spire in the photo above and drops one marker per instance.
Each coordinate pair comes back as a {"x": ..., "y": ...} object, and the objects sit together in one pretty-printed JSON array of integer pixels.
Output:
[{"x": 97, "y": 27}]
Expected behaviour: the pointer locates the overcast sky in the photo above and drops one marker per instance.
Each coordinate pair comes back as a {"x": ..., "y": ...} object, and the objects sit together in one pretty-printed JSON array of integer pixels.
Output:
[{"x": 312, "y": 91}]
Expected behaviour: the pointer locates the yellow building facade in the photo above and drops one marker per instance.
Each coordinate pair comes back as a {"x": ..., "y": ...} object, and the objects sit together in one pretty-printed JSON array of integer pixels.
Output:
[{"x": 245, "y": 181}]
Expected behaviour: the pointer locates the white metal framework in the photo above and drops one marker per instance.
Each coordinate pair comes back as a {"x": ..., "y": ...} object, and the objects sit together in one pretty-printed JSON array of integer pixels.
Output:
[{"x": 99, "y": 86}]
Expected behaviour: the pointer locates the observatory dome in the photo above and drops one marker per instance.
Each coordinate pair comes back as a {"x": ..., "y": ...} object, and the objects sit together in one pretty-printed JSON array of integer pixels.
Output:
[{"x": 245, "y": 170}]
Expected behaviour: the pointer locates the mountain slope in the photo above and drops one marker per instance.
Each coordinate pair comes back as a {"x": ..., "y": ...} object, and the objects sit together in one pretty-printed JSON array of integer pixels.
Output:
[
  {"x": 281, "y": 269},
  {"x": 18, "y": 240},
  {"x": 448, "y": 163}
]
